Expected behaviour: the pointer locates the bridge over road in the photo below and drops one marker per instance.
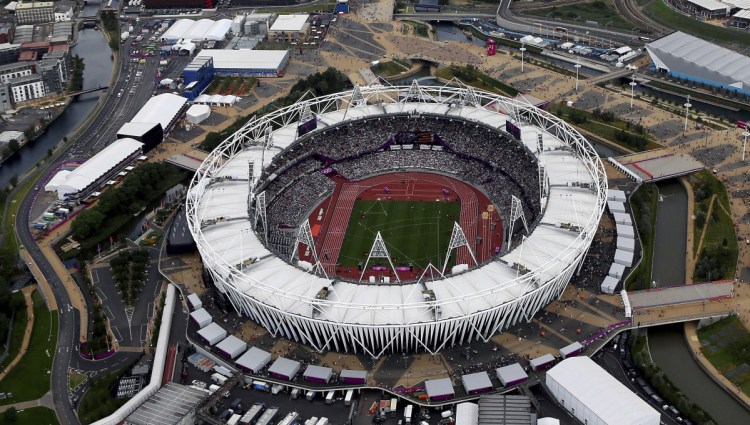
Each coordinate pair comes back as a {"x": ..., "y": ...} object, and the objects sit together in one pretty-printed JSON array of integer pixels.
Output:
[{"x": 441, "y": 17}]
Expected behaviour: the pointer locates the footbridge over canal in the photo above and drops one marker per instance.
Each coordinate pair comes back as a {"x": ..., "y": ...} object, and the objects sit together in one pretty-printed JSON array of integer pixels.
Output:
[{"x": 678, "y": 304}]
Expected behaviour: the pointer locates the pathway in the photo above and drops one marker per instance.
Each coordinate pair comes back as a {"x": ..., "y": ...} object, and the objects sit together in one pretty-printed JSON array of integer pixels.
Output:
[{"x": 27, "y": 291}]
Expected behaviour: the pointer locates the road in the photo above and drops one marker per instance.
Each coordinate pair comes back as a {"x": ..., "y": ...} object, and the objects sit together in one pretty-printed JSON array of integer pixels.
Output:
[{"x": 102, "y": 130}]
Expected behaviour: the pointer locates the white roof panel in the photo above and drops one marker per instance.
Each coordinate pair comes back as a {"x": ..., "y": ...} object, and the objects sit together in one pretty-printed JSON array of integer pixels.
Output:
[
  {"x": 160, "y": 109},
  {"x": 601, "y": 393},
  {"x": 232, "y": 346},
  {"x": 712, "y": 5},
  {"x": 177, "y": 30},
  {"x": 246, "y": 58},
  {"x": 254, "y": 359},
  {"x": 289, "y": 23},
  {"x": 218, "y": 30},
  {"x": 99, "y": 164},
  {"x": 212, "y": 333}
]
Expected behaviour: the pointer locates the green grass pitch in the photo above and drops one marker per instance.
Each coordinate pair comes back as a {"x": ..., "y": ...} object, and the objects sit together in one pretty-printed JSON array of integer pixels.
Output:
[{"x": 415, "y": 232}]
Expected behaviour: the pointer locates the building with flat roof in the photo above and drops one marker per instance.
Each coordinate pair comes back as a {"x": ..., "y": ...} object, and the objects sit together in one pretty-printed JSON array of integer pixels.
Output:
[
  {"x": 289, "y": 28},
  {"x": 594, "y": 396},
  {"x": 197, "y": 76},
  {"x": 284, "y": 368},
  {"x": 684, "y": 56},
  {"x": 259, "y": 63},
  {"x": 35, "y": 12},
  {"x": 173, "y": 404},
  {"x": 253, "y": 360},
  {"x": 439, "y": 389}
]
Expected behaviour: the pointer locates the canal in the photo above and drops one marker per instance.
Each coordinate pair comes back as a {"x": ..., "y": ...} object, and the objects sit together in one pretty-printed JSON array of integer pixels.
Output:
[{"x": 98, "y": 70}]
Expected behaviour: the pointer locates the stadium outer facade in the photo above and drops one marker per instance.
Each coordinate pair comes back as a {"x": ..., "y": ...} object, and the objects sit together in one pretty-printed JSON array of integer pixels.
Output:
[{"x": 379, "y": 319}]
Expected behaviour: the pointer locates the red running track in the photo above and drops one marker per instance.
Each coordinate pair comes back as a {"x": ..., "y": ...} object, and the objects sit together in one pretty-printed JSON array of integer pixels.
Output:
[{"x": 333, "y": 215}]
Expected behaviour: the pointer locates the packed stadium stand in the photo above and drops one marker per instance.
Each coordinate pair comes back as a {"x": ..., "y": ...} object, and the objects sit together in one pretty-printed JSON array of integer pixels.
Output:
[{"x": 266, "y": 178}]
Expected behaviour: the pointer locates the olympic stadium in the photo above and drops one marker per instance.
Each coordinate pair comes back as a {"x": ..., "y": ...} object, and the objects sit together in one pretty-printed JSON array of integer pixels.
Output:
[{"x": 509, "y": 200}]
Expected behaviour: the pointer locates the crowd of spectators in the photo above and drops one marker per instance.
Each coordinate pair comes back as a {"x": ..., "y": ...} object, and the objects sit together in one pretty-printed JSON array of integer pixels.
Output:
[{"x": 472, "y": 152}]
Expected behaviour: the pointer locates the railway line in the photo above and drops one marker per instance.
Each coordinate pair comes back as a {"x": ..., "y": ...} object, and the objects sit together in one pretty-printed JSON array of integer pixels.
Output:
[{"x": 629, "y": 10}]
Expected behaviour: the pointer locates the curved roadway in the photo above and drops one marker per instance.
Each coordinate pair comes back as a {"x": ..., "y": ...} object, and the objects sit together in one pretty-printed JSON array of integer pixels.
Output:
[{"x": 101, "y": 131}]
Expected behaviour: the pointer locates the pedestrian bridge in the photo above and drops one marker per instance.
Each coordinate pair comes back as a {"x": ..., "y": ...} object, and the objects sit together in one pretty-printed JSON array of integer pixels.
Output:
[
  {"x": 441, "y": 17},
  {"x": 678, "y": 304}
]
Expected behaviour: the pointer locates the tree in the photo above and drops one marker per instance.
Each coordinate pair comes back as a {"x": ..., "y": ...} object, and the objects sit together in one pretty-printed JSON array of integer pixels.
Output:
[
  {"x": 86, "y": 223},
  {"x": 11, "y": 415}
]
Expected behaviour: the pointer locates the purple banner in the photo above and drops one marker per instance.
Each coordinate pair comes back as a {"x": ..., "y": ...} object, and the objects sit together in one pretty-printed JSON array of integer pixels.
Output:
[
  {"x": 403, "y": 269},
  {"x": 379, "y": 268}
]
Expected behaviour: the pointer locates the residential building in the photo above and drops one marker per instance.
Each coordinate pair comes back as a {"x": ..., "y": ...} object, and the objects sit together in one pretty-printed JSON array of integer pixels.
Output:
[
  {"x": 15, "y": 70},
  {"x": 63, "y": 13},
  {"x": 27, "y": 88},
  {"x": 6, "y": 33},
  {"x": 35, "y": 12}
]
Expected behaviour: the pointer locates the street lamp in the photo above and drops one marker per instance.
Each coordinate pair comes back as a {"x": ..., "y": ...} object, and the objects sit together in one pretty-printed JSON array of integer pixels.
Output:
[
  {"x": 522, "y": 49},
  {"x": 632, "y": 90},
  {"x": 745, "y": 135},
  {"x": 687, "y": 109},
  {"x": 577, "y": 66}
]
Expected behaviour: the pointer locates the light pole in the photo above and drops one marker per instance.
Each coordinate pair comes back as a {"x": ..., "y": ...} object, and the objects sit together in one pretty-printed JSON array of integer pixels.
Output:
[
  {"x": 577, "y": 66},
  {"x": 745, "y": 135},
  {"x": 687, "y": 109},
  {"x": 632, "y": 90},
  {"x": 522, "y": 49}
]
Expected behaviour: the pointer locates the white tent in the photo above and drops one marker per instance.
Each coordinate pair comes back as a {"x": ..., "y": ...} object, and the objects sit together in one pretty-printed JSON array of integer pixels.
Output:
[
  {"x": 166, "y": 82},
  {"x": 593, "y": 396},
  {"x": 626, "y": 244},
  {"x": 201, "y": 317},
  {"x": 617, "y": 271},
  {"x": 609, "y": 285},
  {"x": 622, "y": 218},
  {"x": 624, "y": 257},
  {"x": 55, "y": 181},
  {"x": 212, "y": 333},
  {"x": 197, "y": 113},
  {"x": 625, "y": 231},
  {"x": 162, "y": 109},
  {"x": 232, "y": 346},
  {"x": 194, "y": 301}
]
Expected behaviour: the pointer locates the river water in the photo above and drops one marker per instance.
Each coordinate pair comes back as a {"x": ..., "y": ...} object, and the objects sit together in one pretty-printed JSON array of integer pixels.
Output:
[
  {"x": 94, "y": 50},
  {"x": 670, "y": 351},
  {"x": 670, "y": 240}
]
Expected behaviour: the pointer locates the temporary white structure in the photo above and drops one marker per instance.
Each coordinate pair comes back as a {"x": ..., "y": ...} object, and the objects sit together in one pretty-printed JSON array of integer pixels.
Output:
[
  {"x": 212, "y": 333},
  {"x": 201, "y": 317},
  {"x": 609, "y": 285},
  {"x": 232, "y": 346},
  {"x": 254, "y": 360},
  {"x": 197, "y": 113},
  {"x": 593, "y": 396}
]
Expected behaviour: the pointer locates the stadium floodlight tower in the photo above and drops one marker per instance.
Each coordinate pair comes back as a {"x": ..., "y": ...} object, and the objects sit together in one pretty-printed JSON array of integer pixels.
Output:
[
  {"x": 577, "y": 66},
  {"x": 522, "y": 50},
  {"x": 458, "y": 239},
  {"x": 516, "y": 212},
  {"x": 687, "y": 111},
  {"x": 379, "y": 250}
]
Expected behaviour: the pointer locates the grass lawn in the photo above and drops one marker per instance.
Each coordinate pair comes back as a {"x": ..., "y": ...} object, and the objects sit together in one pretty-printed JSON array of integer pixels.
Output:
[
  {"x": 16, "y": 336},
  {"x": 726, "y": 344},
  {"x": 473, "y": 77},
  {"x": 415, "y": 233},
  {"x": 30, "y": 379},
  {"x": 644, "y": 203},
  {"x": 660, "y": 12},
  {"x": 597, "y": 11},
  {"x": 33, "y": 416},
  {"x": 387, "y": 69},
  {"x": 75, "y": 379},
  {"x": 720, "y": 229}
]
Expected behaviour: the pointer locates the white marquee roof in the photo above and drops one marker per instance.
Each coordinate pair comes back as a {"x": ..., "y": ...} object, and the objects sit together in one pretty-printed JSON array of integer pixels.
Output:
[
  {"x": 289, "y": 23},
  {"x": 98, "y": 165},
  {"x": 232, "y": 345},
  {"x": 246, "y": 58},
  {"x": 177, "y": 30},
  {"x": 611, "y": 401},
  {"x": 683, "y": 53},
  {"x": 254, "y": 359},
  {"x": 160, "y": 109},
  {"x": 712, "y": 5}
]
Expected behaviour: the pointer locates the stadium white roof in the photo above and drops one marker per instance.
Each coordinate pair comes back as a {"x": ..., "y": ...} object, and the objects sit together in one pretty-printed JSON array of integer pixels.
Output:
[
  {"x": 289, "y": 23},
  {"x": 232, "y": 346},
  {"x": 97, "y": 166},
  {"x": 202, "y": 29},
  {"x": 476, "y": 381},
  {"x": 683, "y": 53},
  {"x": 246, "y": 58},
  {"x": 742, "y": 14},
  {"x": 438, "y": 387},
  {"x": 601, "y": 393},
  {"x": 212, "y": 333},
  {"x": 160, "y": 109},
  {"x": 738, "y": 4},
  {"x": 540, "y": 250},
  {"x": 254, "y": 359}
]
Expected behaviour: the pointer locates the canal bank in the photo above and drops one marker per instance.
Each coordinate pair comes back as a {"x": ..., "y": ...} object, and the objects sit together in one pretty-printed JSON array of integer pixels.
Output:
[{"x": 97, "y": 72}]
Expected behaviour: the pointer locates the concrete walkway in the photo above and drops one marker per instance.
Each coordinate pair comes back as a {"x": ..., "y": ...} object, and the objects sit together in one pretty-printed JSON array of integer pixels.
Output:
[{"x": 45, "y": 401}]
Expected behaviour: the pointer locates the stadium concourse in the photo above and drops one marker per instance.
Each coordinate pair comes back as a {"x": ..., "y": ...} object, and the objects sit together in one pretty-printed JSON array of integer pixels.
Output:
[{"x": 255, "y": 191}]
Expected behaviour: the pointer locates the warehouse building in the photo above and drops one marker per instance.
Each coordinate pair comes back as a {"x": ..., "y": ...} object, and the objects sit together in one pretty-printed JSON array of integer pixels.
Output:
[
  {"x": 289, "y": 28},
  {"x": 594, "y": 397},
  {"x": 686, "y": 57},
  {"x": 258, "y": 63},
  {"x": 92, "y": 174}
]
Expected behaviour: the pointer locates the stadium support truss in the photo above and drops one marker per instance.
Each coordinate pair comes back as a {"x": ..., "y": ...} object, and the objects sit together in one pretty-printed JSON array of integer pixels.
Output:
[{"x": 436, "y": 311}]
